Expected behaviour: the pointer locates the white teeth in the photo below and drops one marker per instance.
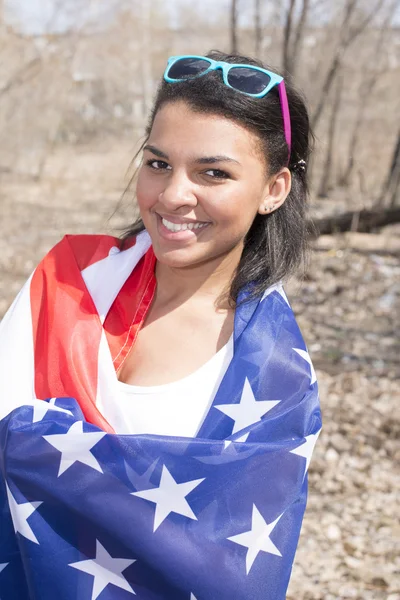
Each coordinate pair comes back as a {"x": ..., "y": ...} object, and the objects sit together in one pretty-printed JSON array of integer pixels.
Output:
[{"x": 183, "y": 226}]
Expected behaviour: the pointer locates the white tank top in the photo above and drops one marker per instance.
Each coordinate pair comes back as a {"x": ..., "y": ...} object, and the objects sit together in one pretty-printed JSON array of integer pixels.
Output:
[{"x": 177, "y": 408}]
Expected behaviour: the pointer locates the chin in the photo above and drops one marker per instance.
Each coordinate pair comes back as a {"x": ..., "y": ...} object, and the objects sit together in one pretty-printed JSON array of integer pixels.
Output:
[
  {"x": 180, "y": 259},
  {"x": 185, "y": 258}
]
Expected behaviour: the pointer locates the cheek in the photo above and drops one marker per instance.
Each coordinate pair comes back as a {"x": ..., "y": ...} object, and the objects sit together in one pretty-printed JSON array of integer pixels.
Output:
[
  {"x": 147, "y": 190},
  {"x": 236, "y": 208}
]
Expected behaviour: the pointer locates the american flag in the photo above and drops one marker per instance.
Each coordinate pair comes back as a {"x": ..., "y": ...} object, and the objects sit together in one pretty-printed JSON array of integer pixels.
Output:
[{"x": 86, "y": 513}]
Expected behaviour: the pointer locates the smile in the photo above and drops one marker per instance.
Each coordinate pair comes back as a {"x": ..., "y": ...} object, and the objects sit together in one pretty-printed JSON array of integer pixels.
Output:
[{"x": 182, "y": 226}]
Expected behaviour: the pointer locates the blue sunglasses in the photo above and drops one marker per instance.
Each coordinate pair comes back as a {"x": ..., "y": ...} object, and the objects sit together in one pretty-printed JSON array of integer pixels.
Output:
[{"x": 247, "y": 79}]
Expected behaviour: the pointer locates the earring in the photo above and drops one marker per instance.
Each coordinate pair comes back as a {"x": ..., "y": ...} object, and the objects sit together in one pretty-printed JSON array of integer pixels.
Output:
[{"x": 268, "y": 208}]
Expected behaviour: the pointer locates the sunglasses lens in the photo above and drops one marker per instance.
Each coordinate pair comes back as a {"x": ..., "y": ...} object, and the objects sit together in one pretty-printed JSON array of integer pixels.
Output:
[
  {"x": 247, "y": 80},
  {"x": 188, "y": 67}
]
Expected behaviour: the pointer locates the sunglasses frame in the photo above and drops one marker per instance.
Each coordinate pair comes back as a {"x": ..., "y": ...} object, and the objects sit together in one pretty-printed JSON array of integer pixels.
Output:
[{"x": 275, "y": 80}]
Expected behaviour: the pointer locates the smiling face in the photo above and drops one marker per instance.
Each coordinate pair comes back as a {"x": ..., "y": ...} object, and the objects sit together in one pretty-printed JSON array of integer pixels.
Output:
[{"x": 201, "y": 184}]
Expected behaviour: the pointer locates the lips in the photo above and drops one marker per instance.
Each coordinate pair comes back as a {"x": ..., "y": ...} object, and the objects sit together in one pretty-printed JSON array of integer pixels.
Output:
[
  {"x": 182, "y": 226},
  {"x": 178, "y": 220},
  {"x": 184, "y": 230}
]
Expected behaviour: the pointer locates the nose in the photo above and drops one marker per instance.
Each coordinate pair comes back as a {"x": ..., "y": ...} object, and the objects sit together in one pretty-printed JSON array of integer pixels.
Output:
[{"x": 179, "y": 191}]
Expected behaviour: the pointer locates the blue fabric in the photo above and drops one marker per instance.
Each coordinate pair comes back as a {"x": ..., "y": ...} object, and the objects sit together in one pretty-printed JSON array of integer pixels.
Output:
[{"x": 92, "y": 509}]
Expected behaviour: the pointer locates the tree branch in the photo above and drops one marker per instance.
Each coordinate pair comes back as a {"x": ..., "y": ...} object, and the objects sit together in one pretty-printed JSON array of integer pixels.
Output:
[
  {"x": 257, "y": 26},
  {"x": 23, "y": 75},
  {"x": 347, "y": 38},
  {"x": 299, "y": 34},
  {"x": 287, "y": 32},
  {"x": 366, "y": 89},
  {"x": 368, "y": 220},
  {"x": 354, "y": 33},
  {"x": 234, "y": 15}
]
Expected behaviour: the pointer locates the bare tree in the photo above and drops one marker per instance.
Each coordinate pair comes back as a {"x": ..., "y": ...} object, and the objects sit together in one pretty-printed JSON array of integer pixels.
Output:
[
  {"x": 348, "y": 35},
  {"x": 299, "y": 33},
  {"x": 145, "y": 62},
  {"x": 390, "y": 194},
  {"x": 257, "y": 27},
  {"x": 372, "y": 66},
  {"x": 293, "y": 33},
  {"x": 326, "y": 180},
  {"x": 287, "y": 32},
  {"x": 22, "y": 76},
  {"x": 46, "y": 69},
  {"x": 234, "y": 32},
  {"x": 75, "y": 40}
]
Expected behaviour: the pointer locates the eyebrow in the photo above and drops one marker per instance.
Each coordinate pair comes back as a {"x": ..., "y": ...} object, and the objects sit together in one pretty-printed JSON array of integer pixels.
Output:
[
  {"x": 204, "y": 160},
  {"x": 155, "y": 151}
]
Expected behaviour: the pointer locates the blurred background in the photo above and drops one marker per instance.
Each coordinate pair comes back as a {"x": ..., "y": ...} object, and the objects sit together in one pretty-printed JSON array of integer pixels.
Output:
[{"x": 77, "y": 78}]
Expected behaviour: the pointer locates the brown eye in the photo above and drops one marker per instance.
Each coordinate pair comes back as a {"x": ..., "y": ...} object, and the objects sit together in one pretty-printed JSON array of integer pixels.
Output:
[
  {"x": 217, "y": 174},
  {"x": 157, "y": 165}
]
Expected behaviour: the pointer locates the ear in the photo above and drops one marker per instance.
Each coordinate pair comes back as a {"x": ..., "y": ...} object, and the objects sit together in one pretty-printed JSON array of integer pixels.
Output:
[{"x": 276, "y": 191}]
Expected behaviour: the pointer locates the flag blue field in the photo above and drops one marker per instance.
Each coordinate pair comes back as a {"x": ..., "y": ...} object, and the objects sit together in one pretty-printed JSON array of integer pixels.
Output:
[
  {"x": 86, "y": 513},
  {"x": 91, "y": 515}
]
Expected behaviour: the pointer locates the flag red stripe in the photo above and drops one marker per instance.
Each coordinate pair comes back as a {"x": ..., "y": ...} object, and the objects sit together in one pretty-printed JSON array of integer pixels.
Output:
[
  {"x": 66, "y": 326},
  {"x": 128, "y": 312}
]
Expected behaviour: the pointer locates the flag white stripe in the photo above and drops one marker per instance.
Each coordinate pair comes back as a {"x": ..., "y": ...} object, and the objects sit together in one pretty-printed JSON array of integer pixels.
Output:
[
  {"x": 17, "y": 354},
  {"x": 105, "y": 278}
]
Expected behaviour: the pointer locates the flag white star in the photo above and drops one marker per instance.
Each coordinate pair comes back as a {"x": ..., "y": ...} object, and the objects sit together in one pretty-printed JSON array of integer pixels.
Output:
[
  {"x": 248, "y": 411},
  {"x": 193, "y": 597},
  {"x": 277, "y": 287},
  {"x": 304, "y": 354},
  {"x": 40, "y": 408},
  {"x": 3, "y": 566},
  {"x": 228, "y": 453},
  {"x": 76, "y": 446},
  {"x": 169, "y": 497},
  {"x": 257, "y": 539},
  {"x": 307, "y": 448},
  {"x": 20, "y": 513},
  {"x": 242, "y": 438},
  {"x": 141, "y": 482},
  {"x": 105, "y": 569}
]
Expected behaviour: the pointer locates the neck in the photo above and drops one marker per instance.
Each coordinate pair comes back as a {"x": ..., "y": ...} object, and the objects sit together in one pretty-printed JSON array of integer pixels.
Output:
[{"x": 209, "y": 281}]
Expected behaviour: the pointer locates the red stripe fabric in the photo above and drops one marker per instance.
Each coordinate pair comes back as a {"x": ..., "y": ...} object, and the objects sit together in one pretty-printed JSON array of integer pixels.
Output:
[
  {"x": 128, "y": 312},
  {"x": 66, "y": 326},
  {"x": 89, "y": 249}
]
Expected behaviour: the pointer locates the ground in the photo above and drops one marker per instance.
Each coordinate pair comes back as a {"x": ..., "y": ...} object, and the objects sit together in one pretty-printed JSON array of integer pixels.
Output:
[{"x": 348, "y": 310}]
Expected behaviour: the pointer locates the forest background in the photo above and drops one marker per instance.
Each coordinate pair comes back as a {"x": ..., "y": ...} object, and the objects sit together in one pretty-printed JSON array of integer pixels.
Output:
[{"x": 77, "y": 78}]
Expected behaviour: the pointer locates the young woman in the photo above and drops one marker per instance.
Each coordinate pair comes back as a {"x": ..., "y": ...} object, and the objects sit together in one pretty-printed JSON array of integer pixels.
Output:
[{"x": 180, "y": 334}]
